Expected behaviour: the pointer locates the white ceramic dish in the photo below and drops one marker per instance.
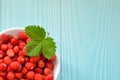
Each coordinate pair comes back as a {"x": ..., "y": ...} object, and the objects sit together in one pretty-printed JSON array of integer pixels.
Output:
[{"x": 14, "y": 32}]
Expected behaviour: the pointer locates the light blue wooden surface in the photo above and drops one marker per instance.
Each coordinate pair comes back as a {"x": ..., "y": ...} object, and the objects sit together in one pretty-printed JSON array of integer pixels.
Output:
[{"x": 87, "y": 33}]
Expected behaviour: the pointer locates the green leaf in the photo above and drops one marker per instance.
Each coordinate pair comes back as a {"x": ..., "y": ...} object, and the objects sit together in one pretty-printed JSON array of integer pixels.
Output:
[
  {"x": 35, "y": 32},
  {"x": 39, "y": 43},
  {"x": 48, "y": 48},
  {"x": 34, "y": 48}
]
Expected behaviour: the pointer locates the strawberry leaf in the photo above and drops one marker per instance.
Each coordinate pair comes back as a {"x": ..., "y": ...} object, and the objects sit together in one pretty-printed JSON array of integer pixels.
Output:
[
  {"x": 33, "y": 48},
  {"x": 48, "y": 48},
  {"x": 35, "y": 32},
  {"x": 39, "y": 43}
]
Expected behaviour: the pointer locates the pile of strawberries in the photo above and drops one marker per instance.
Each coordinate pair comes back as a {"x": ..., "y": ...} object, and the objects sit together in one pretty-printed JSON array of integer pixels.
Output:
[{"x": 16, "y": 65}]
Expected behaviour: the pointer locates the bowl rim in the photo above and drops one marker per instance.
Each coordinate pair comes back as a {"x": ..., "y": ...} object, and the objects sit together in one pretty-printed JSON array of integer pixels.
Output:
[{"x": 58, "y": 58}]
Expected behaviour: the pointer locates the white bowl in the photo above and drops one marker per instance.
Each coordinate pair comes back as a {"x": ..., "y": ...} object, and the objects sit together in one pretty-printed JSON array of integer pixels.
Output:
[{"x": 14, "y": 32}]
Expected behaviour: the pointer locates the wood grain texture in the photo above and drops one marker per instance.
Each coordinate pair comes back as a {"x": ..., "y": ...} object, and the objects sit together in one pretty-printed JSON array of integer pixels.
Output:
[{"x": 87, "y": 33}]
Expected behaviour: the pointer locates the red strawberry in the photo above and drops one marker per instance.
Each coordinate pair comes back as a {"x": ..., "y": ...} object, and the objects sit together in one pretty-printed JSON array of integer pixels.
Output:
[
  {"x": 53, "y": 58},
  {"x": 1, "y": 53},
  {"x": 24, "y": 70},
  {"x": 9, "y": 69},
  {"x": 21, "y": 45},
  {"x": 30, "y": 75},
  {"x": 18, "y": 75},
  {"x": 39, "y": 76},
  {"x": 4, "y": 38},
  {"x": 24, "y": 48},
  {"x": 14, "y": 41},
  {"x": 15, "y": 65},
  {"x": 38, "y": 70},
  {"x": 4, "y": 47},
  {"x": 29, "y": 66},
  {"x": 47, "y": 71},
  {"x": 19, "y": 68},
  {"x": 22, "y": 53},
  {"x": 3, "y": 66},
  {"x": 41, "y": 64},
  {"x": 42, "y": 57},
  {"x": 3, "y": 74},
  {"x": 10, "y": 46},
  {"x": 16, "y": 49},
  {"x": 10, "y": 76},
  {"x": 35, "y": 65},
  {"x": 10, "y": 52},
  {"x": 49, "y": 65},
  {"x": 22, "y": 35},
  {"x": 26, "y": 59},
  {"x": 20, "y": 41},
  {"x": 22, "y": 79},
  {"x": 49, "y": 77},
  {"x": 34, "y": 59},
  {"x": 14, "y": 58},
  {"x": 7, "y": 60},
  {"x": 1, "y": 78},
  {"x": 1, "y": 60},
  {"x": 27, "y": 40},
  {"x": 20, "y": 59},
  {"x": 1, "y": 42},
  {"x": 10, "y": 37}
]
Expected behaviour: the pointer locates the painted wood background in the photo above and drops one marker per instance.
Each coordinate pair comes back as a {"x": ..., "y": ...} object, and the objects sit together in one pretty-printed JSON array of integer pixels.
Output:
[{"x": 87, "y": 33}]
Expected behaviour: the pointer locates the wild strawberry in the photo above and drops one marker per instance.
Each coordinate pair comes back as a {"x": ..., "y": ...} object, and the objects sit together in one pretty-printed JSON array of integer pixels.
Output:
[
  {"x": 22, "y": 53},
  {"x": 20, "y": 59},
  {"x": 22, "y": 79},
  {"x": 41, "y": 64},
  {"x": 21, "y": 45},
  {"x": 19, "y": 68},
  {"x": 21, "y": 41},
  {"x": 1, "y": 78},
  {"x": 14, "y": 41},
  {"x": 7, "y": 60},
  {"x": 24, "y": 48},
  {"x": 24, "y": 70},
  {"x": 29, "y": 66},
  {"x": 14, "y": 58},
  {"x": 18, "y": 75},
  {"x": 1, "y": 60},
  {"x": 53, "y": 58},
  {"x": 9, "y": 69},
  {"x": 1, "y": 53},
  {"x": 26, "y": 59},
  {"x": 3, "y": 66},
  {"x": 49, "y": 77},
  {"x": 27, "y": 40},
  {"x": 30, "y": 75},
  {"x": 39, "y": 76},
  {"x": 22, "y": 35},
  {"x": 47, "y": 71},
  {"x": 10, "y": 76},
  {"x": 42, "y": 57},
  {"x": 49, "y": 65},
  {"x": 38, "y": 70},
  {"x": 10, "y": 52},
  {"x": 4, "y": 38},
  {"x": 34, "y": 59},
  {"x": 10, "y": 46},
  {"x": 16, "y": 49},
  {"x": 4, "y": 47},
  {"x": 3, "y": 74},
  {"x": 1, "y": 42},
  {"x": 35, "y": 65},
  {"x": 10, "y": 37},
  {"x": 15, "y": 65}
]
